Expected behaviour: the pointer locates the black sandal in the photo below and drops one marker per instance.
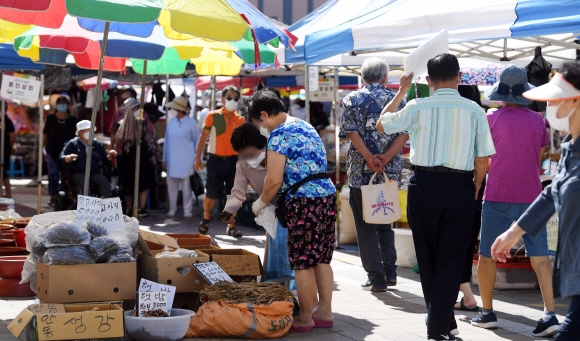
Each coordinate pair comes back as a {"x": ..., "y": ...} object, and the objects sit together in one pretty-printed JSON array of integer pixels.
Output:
[
  {"x": 232, "y": 232},
  {"x": 204, "y": 226}
]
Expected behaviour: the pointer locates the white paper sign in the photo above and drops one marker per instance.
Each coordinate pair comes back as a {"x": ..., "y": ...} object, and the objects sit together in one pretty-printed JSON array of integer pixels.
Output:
[
  {"x": 112, "y": 212},
  {"x": 20, "y": 88},
  {"x": 88, "y": 208},
  {"x": 417, "y": 60},
  {"x": 212, "y": 272},
  {"x": 312, "y": 78},
  {"x": 149, "y": 286},
  {"x": 325, "y": 92},
  {"x": 152, "y": 300}
]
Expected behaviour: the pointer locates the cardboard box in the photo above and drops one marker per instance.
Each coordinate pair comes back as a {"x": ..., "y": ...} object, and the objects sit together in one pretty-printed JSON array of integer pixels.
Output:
[
  {"x": 165, "y": 270},
  {"x": 86, "y": 282},
  {"x": 237, "y": 263},
  {"x": 187, "y": 300},
  {"x": 70, "y": 322}
]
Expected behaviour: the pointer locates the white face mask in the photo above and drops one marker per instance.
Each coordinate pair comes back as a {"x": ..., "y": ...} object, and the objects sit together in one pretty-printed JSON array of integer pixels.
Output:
[
  {"x": 136, "y": 114},
  {"x": 172, "y": 112},
  {"x": 231, "y": 105},
  {"x": 558, "y": 123},
  {"x": 264, "y": 132},
  {"x": 254, "y": 163},
  {"x": 86, "y": 135}
]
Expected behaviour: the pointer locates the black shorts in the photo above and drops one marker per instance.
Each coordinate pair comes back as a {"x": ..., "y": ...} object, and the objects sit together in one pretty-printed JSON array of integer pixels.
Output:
[{"x": 221, "y": 173}]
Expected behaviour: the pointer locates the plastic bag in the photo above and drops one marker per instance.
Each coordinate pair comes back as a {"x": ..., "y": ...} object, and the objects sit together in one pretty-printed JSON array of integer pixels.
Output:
[
  {"x": 179, "y": 253},
  {"x": 69, "y": 255},
  {"x": 101, "y": 248},
  {"x": 123, "y": 255},
  {"x": 65, "y": 234},
  {"x": 38, "y": 248},
  {"x": 95, "y": 229},
  {"x": 127, "y": 233},
  {"x": 214, "y": 319}
]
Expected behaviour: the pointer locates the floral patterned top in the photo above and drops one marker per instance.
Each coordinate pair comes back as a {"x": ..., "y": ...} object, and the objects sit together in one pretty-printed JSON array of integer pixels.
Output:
[
  {"x": 362, "y": 110},
  {"x": 305, "y": 155}
]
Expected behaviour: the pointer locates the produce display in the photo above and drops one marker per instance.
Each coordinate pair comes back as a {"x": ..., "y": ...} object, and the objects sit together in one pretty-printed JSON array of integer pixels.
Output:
[
  {"x": 252, "y": 292},
  {"x": 64, "y": 234},
  {"x": 179, "y": 253},
  {"x": 156, "y": 313},
  {"x": 70, "y": 255}
]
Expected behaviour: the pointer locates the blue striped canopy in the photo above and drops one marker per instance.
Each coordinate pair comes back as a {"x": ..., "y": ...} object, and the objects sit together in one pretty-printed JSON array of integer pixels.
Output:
[{"x": 405, "y": 23}]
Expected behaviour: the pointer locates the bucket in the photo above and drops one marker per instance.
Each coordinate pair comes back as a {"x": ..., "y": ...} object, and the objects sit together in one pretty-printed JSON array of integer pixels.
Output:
[{"x": 19, "y": 237}]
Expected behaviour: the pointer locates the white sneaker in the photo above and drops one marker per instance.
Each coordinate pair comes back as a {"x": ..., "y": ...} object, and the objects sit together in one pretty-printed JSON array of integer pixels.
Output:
[
  {"x": 187, "y": 215},
  {"x": 171, "y": 213}
]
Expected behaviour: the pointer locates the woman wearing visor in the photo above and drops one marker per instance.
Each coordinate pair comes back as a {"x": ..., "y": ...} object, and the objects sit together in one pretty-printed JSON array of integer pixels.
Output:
[{"x": 561, "y": 197}]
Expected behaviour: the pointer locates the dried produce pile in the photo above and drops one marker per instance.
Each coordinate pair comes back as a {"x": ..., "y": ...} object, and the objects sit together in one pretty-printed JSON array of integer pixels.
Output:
[
  {"x": 156, "y": 313},
  {"x": 255, "y": 293}
]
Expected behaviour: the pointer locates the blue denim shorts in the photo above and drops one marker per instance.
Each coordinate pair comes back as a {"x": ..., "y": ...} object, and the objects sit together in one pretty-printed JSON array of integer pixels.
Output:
[{"x": 497, "y": 217}]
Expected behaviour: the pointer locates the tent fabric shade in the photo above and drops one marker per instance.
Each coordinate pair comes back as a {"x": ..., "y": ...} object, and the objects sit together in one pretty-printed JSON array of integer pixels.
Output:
[
  {"x": 223, "y": 20},
  {"x": 407, "y": 23},
  {"x": 10, "y": 60}
]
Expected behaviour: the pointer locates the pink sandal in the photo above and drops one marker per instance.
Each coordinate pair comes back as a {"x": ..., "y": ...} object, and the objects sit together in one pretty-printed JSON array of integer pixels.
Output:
[{"x": 322, "y": 324}]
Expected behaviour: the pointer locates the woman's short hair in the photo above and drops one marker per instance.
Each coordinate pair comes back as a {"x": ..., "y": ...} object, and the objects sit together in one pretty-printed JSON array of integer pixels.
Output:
[
  {"x": 374, "y": 69},
  {"x": 265, "y": 100},
  {"x": 248, "y": 135},
  {"x": 230, "y": 88}
]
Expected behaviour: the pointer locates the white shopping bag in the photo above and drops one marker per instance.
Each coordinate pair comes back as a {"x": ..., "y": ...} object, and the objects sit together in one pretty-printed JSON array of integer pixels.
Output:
[{"x": 381, "y": 202}]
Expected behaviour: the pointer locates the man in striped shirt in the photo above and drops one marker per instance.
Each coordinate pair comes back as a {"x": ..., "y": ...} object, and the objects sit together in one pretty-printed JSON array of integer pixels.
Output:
[{"x": 450, "y": 146}]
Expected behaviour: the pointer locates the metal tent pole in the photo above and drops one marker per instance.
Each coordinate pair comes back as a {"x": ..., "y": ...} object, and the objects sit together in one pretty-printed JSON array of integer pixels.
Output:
[
  {"x": 98, "y": 94},
  {"x": 213, "y": 86},
  {"x": 138, "y": 141},
  {"x": 2, "y": 134},
  {"x": 337, "y": 155},
  {"x": 40, "y": 140},
  {"x": 307, "y": 93}
]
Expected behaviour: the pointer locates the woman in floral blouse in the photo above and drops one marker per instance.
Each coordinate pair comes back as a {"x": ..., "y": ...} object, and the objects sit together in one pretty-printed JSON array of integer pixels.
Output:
[{"x": 296, "y": 153}]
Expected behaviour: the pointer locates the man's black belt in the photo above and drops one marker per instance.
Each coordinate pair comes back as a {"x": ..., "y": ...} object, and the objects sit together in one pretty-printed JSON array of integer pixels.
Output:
[
  {"x": 222, "y": 157},
  {"x": 441, "y": 169}
]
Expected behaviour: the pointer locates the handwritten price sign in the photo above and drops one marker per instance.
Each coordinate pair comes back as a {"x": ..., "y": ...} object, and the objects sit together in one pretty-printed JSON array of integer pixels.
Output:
[
  {"x": 107, "y": 212},
  {"x": 88, "y": 209},
  {"x": 146, "y": 286},
  {"x": 153, "y": 300},
  {"x": 212, "y": 272}
]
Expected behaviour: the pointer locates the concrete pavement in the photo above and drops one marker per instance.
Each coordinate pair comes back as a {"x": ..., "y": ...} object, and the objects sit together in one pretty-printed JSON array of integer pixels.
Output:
[{"x": 397, "y": 315}]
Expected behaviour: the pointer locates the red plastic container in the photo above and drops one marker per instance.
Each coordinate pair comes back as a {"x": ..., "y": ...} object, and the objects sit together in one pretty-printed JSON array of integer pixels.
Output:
[
  {"x": 19, "y": 237},
  {"x": 11, "y": 266},
  {"x": 9, "y": 287},
  {"x": 13, "y": 251},
  {"x": 7, "y": 242},
  {"x": 7, "y": 235}
]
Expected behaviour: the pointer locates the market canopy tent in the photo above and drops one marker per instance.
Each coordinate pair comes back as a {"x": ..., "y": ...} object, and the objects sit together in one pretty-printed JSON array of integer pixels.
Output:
[
  {"x": 393, "y": 25},
  {"x": 10, "y": 60}
]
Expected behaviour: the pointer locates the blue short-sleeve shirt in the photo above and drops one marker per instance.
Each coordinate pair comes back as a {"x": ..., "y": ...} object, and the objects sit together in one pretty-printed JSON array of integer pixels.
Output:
[{"x": 305, "y": 155}]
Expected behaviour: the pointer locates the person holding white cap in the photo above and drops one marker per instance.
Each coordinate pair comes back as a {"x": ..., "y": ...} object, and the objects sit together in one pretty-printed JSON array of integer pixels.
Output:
[
  {"x": 561, "y": 197},
  {"x": 181, "y": 138},
  {"x": 76, "y": 150}
]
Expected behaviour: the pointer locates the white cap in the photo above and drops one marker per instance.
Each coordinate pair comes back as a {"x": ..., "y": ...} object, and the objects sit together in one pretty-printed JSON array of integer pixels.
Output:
[
  {"x": 558, "y": 89},
  {"x": 84, "y": 125}
]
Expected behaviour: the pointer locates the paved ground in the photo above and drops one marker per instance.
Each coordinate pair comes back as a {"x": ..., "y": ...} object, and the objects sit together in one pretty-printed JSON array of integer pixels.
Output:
[{"x": 397, "y": 315}]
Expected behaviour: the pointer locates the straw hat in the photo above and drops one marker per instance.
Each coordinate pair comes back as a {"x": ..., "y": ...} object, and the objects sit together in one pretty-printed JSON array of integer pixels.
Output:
[
  {"x": 513, "y": 82},
  {"x": 179, "y": 103}
]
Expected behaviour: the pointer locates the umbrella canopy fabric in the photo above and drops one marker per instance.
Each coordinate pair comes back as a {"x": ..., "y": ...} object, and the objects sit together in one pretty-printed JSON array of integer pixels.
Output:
[
  {"x": 9, "y": 31},
  {"x": 10, "y": 60},
  {"x": 223, "y": 20},
  {"x": 91, "y": 83},
  {"x": 403, "y": 23},
  {"x": 167, "y": 56}
]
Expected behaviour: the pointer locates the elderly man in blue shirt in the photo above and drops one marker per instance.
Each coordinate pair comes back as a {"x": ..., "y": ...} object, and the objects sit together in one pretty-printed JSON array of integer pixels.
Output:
[
  {"x": 373, "y": 151},
  {"x": 450, "y": 146}
]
